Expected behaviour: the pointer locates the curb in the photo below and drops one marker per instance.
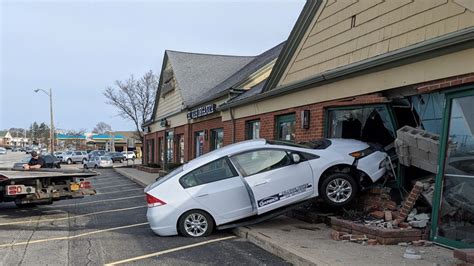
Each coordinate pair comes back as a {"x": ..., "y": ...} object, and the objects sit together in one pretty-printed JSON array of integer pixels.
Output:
[
  {"x": 271, "y": 246},
  {"x": 131, "y": 177}
]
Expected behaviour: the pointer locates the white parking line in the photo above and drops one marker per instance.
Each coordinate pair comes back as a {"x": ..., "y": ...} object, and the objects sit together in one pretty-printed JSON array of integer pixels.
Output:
[
  {"x": 169, "y": 251},
  {"x": 69, "y": 237},
  {"x": 113, "y": 192},
  {"x": 72, "y": 217},
  {"x": 131, "y": 184},
  {"x": 92, "y": 202}
]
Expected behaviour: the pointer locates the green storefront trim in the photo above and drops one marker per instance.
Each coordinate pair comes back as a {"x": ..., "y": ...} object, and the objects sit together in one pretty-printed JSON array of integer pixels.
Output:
[{"x": 450, "y": 95}]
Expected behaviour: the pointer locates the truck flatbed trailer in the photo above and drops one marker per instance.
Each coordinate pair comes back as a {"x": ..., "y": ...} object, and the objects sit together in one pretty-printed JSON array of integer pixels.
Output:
[{"x": 43, "y": 186}]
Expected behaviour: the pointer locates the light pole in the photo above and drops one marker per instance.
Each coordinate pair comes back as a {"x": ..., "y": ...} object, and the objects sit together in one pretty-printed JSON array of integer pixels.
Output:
[{"x": 51, "y": 130}]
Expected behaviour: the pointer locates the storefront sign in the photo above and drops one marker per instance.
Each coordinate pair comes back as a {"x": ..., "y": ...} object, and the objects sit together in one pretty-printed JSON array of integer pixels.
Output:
[{"x": 202, "y": 111}]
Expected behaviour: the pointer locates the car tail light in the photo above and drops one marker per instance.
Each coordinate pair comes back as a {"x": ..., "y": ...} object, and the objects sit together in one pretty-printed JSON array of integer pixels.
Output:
[
  {"x": 362, "y": 153},
  {"x": 85, "y": 184},
  {"x": 153, "y": 202}
]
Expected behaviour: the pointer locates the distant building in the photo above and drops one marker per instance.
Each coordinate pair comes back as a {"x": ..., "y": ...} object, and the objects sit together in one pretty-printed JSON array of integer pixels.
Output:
[{"x": 5, "y": 139}]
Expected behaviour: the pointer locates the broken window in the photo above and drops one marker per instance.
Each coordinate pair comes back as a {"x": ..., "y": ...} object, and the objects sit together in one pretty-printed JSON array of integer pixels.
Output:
[
  {"x": 366, "y": 123},
  {"x": 430, "y": 108}
]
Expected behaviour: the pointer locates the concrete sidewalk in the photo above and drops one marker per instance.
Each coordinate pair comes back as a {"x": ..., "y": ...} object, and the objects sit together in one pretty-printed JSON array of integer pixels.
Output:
[
  {"x": 137, "y": 176},
  {"x": 302, "y": 243}
]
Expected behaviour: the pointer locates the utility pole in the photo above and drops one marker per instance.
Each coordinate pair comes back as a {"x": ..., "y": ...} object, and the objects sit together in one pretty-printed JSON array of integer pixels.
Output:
[{"x": 51, "y": 130}]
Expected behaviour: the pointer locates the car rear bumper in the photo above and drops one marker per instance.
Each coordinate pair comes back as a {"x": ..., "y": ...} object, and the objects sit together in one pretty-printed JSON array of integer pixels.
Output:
[{"x": 162, "y": 220}]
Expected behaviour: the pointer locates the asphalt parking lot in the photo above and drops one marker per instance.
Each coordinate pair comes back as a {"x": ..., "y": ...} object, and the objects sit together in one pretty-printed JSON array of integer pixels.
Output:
[{"x": 110, "y": 228}]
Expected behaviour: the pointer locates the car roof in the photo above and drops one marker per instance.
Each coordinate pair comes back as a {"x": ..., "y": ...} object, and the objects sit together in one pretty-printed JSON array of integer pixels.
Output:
[{"x": 225, "y": 151}]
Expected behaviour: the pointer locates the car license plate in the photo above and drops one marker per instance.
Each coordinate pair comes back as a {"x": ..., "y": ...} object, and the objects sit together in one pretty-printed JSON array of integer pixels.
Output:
[{"x": 74, "y": 187}]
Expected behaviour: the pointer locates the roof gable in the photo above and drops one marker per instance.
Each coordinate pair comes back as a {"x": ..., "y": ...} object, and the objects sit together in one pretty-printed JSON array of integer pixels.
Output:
[
  {"x": 259, "y": 62},
  {"x": 196, "y": 73}
]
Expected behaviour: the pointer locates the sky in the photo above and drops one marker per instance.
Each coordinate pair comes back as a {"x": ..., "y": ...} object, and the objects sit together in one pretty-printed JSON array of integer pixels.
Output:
[{"x": 79, "y": 48}]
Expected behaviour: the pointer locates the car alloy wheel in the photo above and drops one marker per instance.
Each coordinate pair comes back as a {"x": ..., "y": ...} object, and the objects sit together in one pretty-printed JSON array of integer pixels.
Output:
[
  {"x": 196, "y": 224},
  {"x": 338, "y": 189}
]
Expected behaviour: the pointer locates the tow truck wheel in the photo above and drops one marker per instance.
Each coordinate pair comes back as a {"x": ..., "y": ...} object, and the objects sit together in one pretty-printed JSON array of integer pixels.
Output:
[
  {"x": 338, "y": 189},
  {"x": 195, "y": 223}
]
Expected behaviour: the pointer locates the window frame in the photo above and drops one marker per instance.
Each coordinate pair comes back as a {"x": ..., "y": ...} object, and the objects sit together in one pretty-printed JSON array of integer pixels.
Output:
[
  {"x": 234, "y": 171},
  {"x": 248, "y": 128},
  {"x": 284, "y": 118},
  {"x": 214, "y": 133}
]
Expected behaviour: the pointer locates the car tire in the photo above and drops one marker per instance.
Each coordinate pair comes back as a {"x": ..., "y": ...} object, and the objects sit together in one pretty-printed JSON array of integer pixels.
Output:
[
  {"x": 338, "y": 189},
  {"x": 195, "y": 223},
  {"x": 69, "y": 161},
  {"x": 95, "y": 166},
  {"x": 84, "y": 161},
  {"x": 121, "y": 160},
  {"x": 85, "y": 166}
]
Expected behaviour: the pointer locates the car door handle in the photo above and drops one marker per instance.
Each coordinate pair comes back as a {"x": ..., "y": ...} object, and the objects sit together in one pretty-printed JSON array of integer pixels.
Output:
[
  {"x": 263, "y": 182},
  {"x": 202, "y": 195}
]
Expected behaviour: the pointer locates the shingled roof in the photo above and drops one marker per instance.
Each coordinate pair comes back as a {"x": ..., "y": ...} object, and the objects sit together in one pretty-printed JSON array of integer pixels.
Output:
[
  {"x": 196, "y": 74},
  {"x": 253, "y": 66}
]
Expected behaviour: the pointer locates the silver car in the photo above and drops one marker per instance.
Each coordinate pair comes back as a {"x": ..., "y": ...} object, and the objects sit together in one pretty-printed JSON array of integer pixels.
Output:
[
  {"x": 99, "y": 162},
  {"x": 75, "y": 157},
  {"x": 3, "y": 150}
]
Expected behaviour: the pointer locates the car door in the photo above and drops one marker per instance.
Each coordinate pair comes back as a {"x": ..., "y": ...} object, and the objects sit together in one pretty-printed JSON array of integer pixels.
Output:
[
  {"x": 274, "y": 178},
  {"x": 219, "y": 188}
]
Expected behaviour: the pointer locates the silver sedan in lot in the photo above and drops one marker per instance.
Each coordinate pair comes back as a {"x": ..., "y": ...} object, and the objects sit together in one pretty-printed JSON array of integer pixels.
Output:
[
  {"x": 99, "y": 162},
  {"x": 254, "y": 177}
]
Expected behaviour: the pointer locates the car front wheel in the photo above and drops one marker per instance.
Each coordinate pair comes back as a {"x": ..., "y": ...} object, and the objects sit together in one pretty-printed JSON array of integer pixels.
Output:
[
  {"x": 69, "y": 161},
  {"x": 195, "y": 223},
  {"x": 338, "y": 189}
]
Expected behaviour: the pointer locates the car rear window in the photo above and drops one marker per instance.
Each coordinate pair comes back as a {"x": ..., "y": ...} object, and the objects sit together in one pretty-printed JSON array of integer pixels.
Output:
[{"x": 214, "y": 171}]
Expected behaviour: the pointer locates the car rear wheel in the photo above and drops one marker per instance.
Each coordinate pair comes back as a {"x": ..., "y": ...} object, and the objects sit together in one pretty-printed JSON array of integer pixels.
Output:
[
  {"x": 195, "y": 223},
  {"x": 338, "y": 189},
  {"x": 95, "y": 166}
]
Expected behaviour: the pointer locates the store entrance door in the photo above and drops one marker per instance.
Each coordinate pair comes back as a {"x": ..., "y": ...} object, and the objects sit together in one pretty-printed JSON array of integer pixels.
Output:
[{"x": 453, "y": 211}]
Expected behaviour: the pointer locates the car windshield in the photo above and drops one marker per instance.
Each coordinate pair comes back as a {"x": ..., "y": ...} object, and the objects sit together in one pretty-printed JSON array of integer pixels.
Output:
[{"x": 166, "y": 177}]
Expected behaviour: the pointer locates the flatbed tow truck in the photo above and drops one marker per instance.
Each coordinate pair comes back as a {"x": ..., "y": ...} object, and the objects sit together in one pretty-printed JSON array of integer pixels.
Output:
[{"x": 43, "y": 186}]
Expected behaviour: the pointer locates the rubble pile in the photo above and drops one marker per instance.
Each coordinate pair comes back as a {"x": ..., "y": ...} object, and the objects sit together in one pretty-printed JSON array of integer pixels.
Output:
[{"x": 382, "y": 221}]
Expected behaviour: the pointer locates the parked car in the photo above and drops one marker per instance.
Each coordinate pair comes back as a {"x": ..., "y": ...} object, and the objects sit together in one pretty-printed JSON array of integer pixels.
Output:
[
  {"x": 3, "y": 150},
  {"x": 75, "y": 157},
  {"x": 99, "y": 162},
  {"x": 28, "y": 150},
  {"x": 115, "y": 156},
  {"x": 58, "y": 154},
  {"x": 96, "y": 153},
  {"x": 49, "y": 160},
  {"x": 129, "y": 155},
  {"x": 254, "y": 177}
]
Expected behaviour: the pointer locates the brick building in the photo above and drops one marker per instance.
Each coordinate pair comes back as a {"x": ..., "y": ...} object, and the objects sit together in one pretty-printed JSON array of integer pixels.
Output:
[{"x": 362, "y": 70}]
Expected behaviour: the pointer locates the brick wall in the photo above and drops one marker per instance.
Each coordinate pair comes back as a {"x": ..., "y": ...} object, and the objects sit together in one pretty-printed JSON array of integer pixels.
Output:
[
  {"x": 316, "y": 128},
  {"x": 439, "y": 84}
]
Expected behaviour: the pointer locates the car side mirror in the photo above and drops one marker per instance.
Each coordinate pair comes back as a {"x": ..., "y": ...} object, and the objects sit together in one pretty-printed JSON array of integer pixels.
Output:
[{"x": 295, "y": 157}]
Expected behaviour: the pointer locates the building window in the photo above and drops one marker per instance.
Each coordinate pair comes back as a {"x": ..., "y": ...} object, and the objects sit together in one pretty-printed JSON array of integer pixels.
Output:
[
  {"x": 253, "y": 129},
  {"x": 169, "y": 146},
  {"x": 180, "y": 149},
  {"x": 367, "y": 123},
  {"x": 199, "y": 143},
  {"x": 150, "y": 144},
  {"x": 217, "y": 138},
  {"x": 285, "y": 127}
]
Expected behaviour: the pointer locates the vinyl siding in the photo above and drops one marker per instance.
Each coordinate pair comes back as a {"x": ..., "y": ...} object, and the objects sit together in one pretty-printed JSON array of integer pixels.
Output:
[
  {"x": 170, "y": 102},
  {"x": 348, "y": 31}
]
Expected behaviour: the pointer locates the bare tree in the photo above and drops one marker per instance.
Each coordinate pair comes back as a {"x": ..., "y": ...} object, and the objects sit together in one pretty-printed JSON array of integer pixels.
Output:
[
  {"x": 102, "y": 128},
  {"x": 134, "y": 99},
  {"x": 75, "y": 132}
]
